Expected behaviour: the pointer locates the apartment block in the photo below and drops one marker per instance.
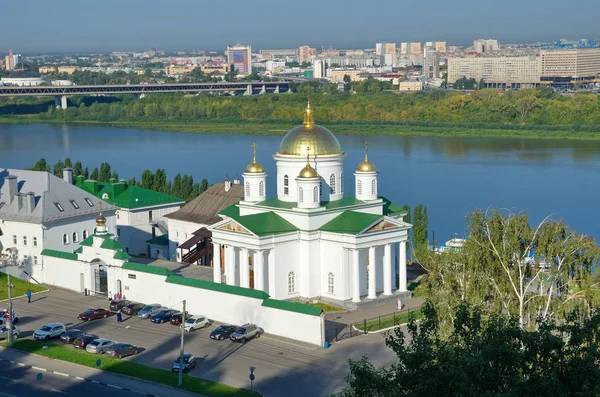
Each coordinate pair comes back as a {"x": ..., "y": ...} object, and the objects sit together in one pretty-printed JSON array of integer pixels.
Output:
[
  {"x": 500, "y": 72},
  {"x": 306, "y": 54},
  {"x": 570, "y": 65}
]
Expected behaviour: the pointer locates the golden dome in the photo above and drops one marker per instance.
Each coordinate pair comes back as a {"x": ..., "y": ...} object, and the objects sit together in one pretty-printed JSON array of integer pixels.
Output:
[
  {"x": 366, "y": 165},
  {"x": 309, "y": 137},
  {"x": 254, "y": 167},
  {"x": 308, "y": 172},
  {"x": 101, "y": 220}
]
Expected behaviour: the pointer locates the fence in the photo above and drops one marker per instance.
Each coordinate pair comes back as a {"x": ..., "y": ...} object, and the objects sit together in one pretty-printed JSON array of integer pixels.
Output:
[{"x": 387, "y": 320}]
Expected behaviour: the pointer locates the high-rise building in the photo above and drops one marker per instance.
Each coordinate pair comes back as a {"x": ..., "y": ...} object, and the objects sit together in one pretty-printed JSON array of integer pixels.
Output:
[
  {"x": 385, "y": 48},
  {"x": 11, "y": 61},
  {"x": 431, "y": 63},
  {"x": 440, "y": 46},
  {"x": 484, "y": 46},
  {"x": 240, "y": 56},
  {"x": 319, "y": 69},
  {"x": 306, "y": 54},
  {"x": 497, "y": 72},
  {"x": 414, "y": 48},
  {"x": 567, "y": 66},
  {"x": 403, "y": 48}
]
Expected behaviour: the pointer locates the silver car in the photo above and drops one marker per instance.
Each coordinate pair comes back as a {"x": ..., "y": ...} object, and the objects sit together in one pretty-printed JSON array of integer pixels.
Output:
[
  {"x": 99, "y": 346},
  {"x": 4, "y": 332},
  {"x": 150, "y": 310}
]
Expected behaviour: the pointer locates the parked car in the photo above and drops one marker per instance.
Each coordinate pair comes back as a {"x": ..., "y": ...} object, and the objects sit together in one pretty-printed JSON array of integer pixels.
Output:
[
  {"x": 195, "y": 322},
  {"x": 189, "y": 362},
  {"x": 177, "y": 318},
  {"x": 149, "y": 310},
  {"x": 82, "y": 341},
  {"x": 133, "y": 308},
  {"x": 93, "y": 314},
  {"x": 49, "y": 331},
  {"x": 245, "y": 333},
  {"x": 71, "y": 335},
  {"x": 120, "y": 350},
  {"x": 115, "y": 305},
  {"x": 15, "y": 316},
  {"x": 4, "y": 332},
  {"x": 223, "y": 332},
  {"x": 99, "y": 346},
  {"x": 162, "y": 316}
]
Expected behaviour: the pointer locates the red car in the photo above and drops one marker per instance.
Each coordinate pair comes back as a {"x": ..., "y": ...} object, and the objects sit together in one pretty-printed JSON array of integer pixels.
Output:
[{"x": 92, "y": 314}]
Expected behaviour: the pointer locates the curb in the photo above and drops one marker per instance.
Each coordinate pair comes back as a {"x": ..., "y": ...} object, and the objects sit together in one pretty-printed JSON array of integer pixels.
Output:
[
  {"x": 381, "y": 330},
  {"x": 24, "y": 296}
]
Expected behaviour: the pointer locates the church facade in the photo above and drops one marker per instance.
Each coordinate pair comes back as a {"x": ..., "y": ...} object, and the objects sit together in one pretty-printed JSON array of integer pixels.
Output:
[{"x": 312, "y": 240}]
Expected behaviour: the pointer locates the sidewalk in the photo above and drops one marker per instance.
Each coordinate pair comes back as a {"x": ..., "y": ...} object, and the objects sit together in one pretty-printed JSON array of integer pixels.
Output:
[{"x": 373, "y": 311}]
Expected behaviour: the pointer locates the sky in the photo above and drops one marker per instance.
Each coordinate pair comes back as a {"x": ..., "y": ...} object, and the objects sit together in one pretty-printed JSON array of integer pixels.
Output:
[{"x": 136, "y": 25}]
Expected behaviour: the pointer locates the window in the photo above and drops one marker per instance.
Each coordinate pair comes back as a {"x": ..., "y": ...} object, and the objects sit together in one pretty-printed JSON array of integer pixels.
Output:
[
  {"x": 74, "y": 204},
  {"x": 291, "y": 283},
  {"x": 84, "y": 234},
  {"x": 286, "y": 185},
  {"x": 60, "y": 207},
  {"x": 35, "y": 241},
  {"x": 359, "y": 187},
  {"x": 261, "y": 188},
  {"x": 75, "y": 237},
  {"x": 316, "y": 194},
  {"x": 131, "y": 276},
  {"x": 24, "y": 241},
  {"x": 247, "y": 189},
  {"x": 15, "y": 239},
  {"x": 373, "y": 186},
  {"x": 89, "y": 202},
  {"x": 117, "y": 214},
  {"x": 118, "y": 232},
  {"x": 35, "y": 260},
  {"x": 65, "y": 239},
  {"x": 330, "y": 281},
  {"x": 300, "y": 195},
  {"x": 95, "y": 230},
  {"x": 105, "y": 196},
  {"x": 149, "y": 216},
  {"x": 332, "y": 183},
  {"x": 320, "y": 188},
  {"x": 341, "y": 182}
]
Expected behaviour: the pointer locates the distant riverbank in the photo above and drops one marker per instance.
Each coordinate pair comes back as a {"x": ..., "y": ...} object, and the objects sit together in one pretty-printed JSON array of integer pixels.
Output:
[{"x": 264, "y": 128}]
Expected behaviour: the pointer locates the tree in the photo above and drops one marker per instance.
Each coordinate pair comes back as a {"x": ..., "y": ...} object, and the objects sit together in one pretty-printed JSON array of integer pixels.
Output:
[
  {"x": 95, "y": 174},
  {"x": 203, "y": 185},
  {"x": 58, "y": 168},
  {"x": 160, "y": 181},
  {"x": 114, "y": 176},
  {"x": 104, "y": 174},
  {"x": 176, "y": 188},
  {"x": 420, "y": 222},
  {"x": 86, "y": 173},
  {"x": 41, "y": 165},
  {"x": 77, "y": 168},
  {"x": 147, "y": 179}
]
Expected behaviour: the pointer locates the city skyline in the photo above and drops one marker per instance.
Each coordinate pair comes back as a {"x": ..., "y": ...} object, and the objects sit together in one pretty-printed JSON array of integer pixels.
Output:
[{"x": 185, "y": 25}]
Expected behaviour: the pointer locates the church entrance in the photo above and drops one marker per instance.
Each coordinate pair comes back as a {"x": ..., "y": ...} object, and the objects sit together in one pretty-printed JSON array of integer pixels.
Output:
[
  {"x": 251, "y": 275},
  {"x": 101, "y": 281}
]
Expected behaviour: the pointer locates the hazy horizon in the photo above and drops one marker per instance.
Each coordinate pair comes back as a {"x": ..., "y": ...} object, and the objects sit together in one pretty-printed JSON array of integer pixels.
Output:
[{"x": 184, "y": 25}]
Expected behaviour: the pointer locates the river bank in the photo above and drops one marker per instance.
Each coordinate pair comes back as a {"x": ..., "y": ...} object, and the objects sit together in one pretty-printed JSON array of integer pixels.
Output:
[{"x": 266, "y": 128}]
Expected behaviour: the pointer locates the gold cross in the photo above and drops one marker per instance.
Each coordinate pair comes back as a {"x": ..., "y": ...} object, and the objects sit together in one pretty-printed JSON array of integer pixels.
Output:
[
  {"x": 307, "y": 154},
  {"x": 366, "y": 149},
  {"x": 254, "y": 150}
]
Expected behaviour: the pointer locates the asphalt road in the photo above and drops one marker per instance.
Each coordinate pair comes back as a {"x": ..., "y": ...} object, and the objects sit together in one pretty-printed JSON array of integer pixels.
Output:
[{"x": 281, "y": 367}]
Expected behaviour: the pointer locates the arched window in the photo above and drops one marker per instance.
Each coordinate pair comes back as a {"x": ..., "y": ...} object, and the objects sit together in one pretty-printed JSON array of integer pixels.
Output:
[
  {"x": 247, "y": 189},
  {"x": 373, "y": 186},
  {"x": 95, "y": 230},
  {"x": 65, "y": 239},
  {"x": 75, "y": 237},
  {"x": 291, "y": 283},
  {"x": 359, "y": 187},
  {"x": 286, "y": 185},
  {"x": 342, "y": 182},
  {"x": 84, "y": 234},
  {"x": 261, "y": 188},
  {"x": 332, "y": 183},
  {"x": 316, "y": 194},
  {"x": 300, "y": 195},
  {"x": 330, "y": 284},
  {"x": 320, "y": 188}
]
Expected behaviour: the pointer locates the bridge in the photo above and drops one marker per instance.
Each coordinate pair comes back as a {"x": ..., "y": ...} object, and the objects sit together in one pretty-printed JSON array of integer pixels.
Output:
[{"x": 63, "y": 92}]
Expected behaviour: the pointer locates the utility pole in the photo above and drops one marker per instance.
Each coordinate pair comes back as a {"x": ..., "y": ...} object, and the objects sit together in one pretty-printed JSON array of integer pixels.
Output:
[
  {"x": 181, "y": 347},
  {"x": 9, "y": 320}
]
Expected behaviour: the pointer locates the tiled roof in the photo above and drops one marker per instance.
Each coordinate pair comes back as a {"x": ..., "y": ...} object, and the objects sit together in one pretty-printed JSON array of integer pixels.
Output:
[
  {"x": 205, "y": 208},
  {"x": 159, "y": 240},
  {"x": 350, "y": 222},
  {"x": 140, "y": 267},
  {"x": 262, "y": 224},
  {"x": 292, "y": 307},
  {"x": 228, "y": 289},
  {"x": 54, "y": 198},
  {"x": 60, "y": 254},
  {"x": 111, "y": 244}
]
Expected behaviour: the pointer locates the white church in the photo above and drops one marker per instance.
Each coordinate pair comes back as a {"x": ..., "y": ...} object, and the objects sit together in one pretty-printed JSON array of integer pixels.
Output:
[{"x": 312, "y": 241}]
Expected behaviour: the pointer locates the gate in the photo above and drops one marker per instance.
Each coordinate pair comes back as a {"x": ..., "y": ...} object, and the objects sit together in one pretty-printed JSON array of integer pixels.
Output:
[
  {"x": 101, "y": 282},
  {"x": 336, "y": 332}
]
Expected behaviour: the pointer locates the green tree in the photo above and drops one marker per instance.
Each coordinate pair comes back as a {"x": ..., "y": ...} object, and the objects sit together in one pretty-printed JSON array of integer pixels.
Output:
[
  {"x": 176, "y": 189},
  {"x": 58, "y": 168},
  {"x": 95, "y": 174},
  {"x": 41, "y": 165},
  {"x": 114, "y": 176},
  {"x": 420, "y": 222},
  {"x": 203, "y": 185},
  {"x": 160, "y": 181},
  {"x": 68, "y": 162},
  {"x": 104, "y": 174},
  {"x": 86, "y": 173},
  {"x": 77, "y": 168},
  {"x": 147, "y": 180},
  {"x": 407, "y": 217}
]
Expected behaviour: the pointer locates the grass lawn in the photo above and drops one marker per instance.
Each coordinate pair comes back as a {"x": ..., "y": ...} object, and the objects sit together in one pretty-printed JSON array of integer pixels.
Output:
[
  {"x": 20, "y": 288},
  {"x": 326, "y": 308},
  {"x": 157, "y": 375},
  {"x": 389, "y": 321}
]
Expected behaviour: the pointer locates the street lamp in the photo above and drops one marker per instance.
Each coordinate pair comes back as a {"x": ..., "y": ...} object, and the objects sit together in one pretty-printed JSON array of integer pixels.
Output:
[
  {"x": 10, "y": 257},
  {"x": 181, "y": 346}
]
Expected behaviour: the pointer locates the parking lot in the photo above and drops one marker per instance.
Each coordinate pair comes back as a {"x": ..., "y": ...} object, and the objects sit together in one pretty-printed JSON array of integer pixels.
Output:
[{"x": 281, "y": 366}]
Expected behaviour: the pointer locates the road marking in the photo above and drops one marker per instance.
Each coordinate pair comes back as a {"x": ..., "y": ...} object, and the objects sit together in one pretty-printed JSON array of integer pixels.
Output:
[
  {"x": 38, "y": 368},
  {"x": 61, "y": 374},
  {"x": 58, "y": 391},
  {"x": 115, "y": 387},
  {"x": 95, "y": 381},
  {"x": 6, "y": 394},
  {"x": 79, "y": 377},
  {"x": 21, "y": 364}
]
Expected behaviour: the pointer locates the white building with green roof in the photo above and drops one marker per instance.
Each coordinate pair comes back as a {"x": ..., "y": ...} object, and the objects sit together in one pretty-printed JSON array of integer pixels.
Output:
[{"x": 313, "y": 240}]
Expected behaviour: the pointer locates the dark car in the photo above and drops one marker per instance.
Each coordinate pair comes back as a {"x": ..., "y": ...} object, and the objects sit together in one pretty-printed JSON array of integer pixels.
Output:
[
  {"x": 93, "y": 314},
  {"x": 163, "y": 316},
  {"x": 189, "y": 362},
  {"x": 118, "y": 304},
  {"x": 132, "y": 308},
  {"x": 245, "y": 333},
  {"x": 82, "y": 341},
  {"x": 177, "y": 318},
  {"x": 120, "y": 350},
  {"x": 71, "y": 335},
  {"x": 223, "y": 332}
]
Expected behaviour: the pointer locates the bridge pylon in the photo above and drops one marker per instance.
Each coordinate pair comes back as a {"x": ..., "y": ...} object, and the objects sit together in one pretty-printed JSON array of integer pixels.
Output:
[{"x": 248, "y": 90}]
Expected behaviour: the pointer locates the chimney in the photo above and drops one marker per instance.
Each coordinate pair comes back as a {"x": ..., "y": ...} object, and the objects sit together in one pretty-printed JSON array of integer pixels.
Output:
[
  {"x": 30, "y": 202},
  {"x": 227, "y": 184},
  {"x": 21, "y": 202},
  {"x": 9, "y": 189},
  {"x": 236, "y": 180},
  {"x": 68, "y": 175},
  {"x": 79, "y": 179}
]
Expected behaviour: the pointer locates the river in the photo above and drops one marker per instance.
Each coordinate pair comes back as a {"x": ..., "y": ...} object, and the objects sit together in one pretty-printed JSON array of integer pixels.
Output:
[{"x": 451, "y": 176}]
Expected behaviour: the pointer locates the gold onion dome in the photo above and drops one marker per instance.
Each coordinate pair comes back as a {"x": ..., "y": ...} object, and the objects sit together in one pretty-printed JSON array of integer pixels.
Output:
[
  {"x": 254, "y": 167},
  {"x": 366, "y": 165},
  {"x": 308, "y": 172},
  {"x": 101, "y": 220},
  {"x": 320, "y": 140}
]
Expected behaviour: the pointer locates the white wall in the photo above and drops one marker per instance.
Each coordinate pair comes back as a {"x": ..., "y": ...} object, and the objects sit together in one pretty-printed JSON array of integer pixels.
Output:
[
  {"x": 179, "y": 232},
  {"x": 135, "y": 228},
  {"x": 53, "y": 235}
]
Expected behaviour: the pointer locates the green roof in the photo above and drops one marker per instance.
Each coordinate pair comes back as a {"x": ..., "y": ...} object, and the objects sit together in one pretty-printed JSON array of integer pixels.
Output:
[
  {"x": 122, "y": 255},
  {"x": 262, "y": 224},
  {"x": 111, "y": 244},
  {"x": 140, "y": 267},
  {"x": 159, "y": 240},
  {"x": 60, "y": 254},
  {"x": 126, "y": 196},
  {"x": 232, "y": 211},
  {"x": 350, "y": 222},
  {"x": 391, "y": 209},
  {"x": 292, "y": 307},
  {"x": 78, "y": 250},
  {"x": 88, "y": 242},
  {"x": 209, "y": 285},
  {"x": 346, "y": 201}
]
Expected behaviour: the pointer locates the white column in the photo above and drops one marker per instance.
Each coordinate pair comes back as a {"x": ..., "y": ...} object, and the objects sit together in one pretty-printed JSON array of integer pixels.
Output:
[
  {"x": 372, "y": 274},
  {"x": 244, "y": 268},
  {"x": 387, "y": 270},
  {"x": 402, "y": 266},
  {"x": 259, "y": 270},
  {"x": 355, "y": 276},
  {"x": 271, "y": 273},
  {"x": 229, "y": 266},
  {"x": 216, "y": 261}
]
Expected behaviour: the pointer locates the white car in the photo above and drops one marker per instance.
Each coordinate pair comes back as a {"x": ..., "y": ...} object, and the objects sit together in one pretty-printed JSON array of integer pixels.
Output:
[
  {"x": 195, "y": 322},
  {"x": 4, "y": 332},
  {"x": 49, "y": 331},
  {"x": 99, "y": 346}
]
